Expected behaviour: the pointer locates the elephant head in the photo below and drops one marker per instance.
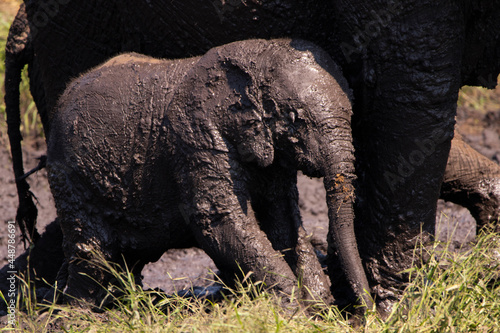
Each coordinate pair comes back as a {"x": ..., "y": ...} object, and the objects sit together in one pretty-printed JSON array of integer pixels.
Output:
[
  {"x": 267, "y": 104},
  {"x": 315, "y": 126}
]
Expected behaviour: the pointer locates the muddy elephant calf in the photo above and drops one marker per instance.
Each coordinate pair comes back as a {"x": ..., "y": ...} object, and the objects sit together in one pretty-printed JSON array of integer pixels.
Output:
[{"x": 146, "y": 155}]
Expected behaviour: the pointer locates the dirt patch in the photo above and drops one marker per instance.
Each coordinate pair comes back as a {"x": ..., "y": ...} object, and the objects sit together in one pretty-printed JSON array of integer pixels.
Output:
[
  {"x": 180, "y": 269},
  {"x": 8, "y": 195},
  {"x": 9, "y": 7}
]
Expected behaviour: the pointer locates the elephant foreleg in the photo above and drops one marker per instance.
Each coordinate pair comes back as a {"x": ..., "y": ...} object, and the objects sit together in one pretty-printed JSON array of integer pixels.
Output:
[
  {"x": 472, "y": 181},
  {"x": 402, "y": 127},
  {"x": 217, "y": 204},
  {"x": 277, "y": 209}
]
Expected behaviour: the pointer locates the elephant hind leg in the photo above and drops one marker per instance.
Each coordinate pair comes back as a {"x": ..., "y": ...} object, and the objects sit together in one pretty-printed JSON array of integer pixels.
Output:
[
  {"x": 92, "y": 277},
  {"x": 472, "y": 181},
  {"x": 88, "y": 250},
  {"x": 86, "y": 282}
]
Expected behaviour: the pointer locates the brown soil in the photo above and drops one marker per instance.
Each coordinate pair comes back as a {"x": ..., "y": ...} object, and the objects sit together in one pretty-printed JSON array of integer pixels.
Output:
[
  {"x": 9, "y": 7},
  {"x": 8, "y": 195}
]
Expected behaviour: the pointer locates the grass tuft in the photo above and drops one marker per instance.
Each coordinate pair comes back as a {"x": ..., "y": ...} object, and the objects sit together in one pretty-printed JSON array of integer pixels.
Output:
[{"x": 450, "y": 292}]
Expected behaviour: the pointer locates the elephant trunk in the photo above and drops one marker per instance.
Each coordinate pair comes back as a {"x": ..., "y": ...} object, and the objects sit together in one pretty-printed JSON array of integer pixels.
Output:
[{"x": 338, "y": 181}]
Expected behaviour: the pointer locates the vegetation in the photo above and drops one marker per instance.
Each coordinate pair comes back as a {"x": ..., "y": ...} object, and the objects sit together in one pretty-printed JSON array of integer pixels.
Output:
[
  {"x": 450, "y": 292},
  {"x": 480, "y": 99}
]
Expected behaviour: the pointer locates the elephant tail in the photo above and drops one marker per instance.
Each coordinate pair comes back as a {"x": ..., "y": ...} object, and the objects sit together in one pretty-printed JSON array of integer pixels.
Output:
[{"x": 17, "y": 55}]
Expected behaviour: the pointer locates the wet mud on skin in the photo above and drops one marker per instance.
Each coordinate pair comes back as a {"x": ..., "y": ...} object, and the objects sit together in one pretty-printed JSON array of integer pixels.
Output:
[{"x": 181, "y": 269}]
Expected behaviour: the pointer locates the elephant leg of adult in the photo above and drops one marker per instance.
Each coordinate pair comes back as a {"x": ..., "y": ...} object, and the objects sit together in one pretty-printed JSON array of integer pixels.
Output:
[
  {"x": 404, "y": 122},
  {"x": 472, "y": 181},
  {"x": 46, "y": 257},
  {"x": 56, "y": 293},
  {"x": 280, "y": 219}
]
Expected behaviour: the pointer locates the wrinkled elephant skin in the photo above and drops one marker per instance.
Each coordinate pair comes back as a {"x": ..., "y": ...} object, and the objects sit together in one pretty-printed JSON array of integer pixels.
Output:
[{"x": 146, "y": 155}]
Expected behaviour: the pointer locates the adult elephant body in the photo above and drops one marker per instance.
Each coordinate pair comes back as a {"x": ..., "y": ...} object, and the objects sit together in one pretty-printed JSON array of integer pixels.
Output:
[{"x": 405, "y": 61}]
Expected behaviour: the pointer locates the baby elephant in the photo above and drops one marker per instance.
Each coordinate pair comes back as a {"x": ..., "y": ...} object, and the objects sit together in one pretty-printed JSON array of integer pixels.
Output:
[{"x": 146, "y": 155}]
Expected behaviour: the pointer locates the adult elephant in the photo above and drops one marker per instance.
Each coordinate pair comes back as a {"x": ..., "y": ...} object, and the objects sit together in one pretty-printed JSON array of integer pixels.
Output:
[{"x": 405, "y": 61}]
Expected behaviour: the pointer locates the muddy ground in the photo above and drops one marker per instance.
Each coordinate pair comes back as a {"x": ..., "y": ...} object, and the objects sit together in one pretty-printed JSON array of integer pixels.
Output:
[{"x": 179, "y": 269}]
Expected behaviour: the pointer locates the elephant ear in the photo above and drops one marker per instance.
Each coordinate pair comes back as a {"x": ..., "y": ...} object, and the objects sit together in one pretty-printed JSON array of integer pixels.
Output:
[
  {"x": 217, "y": 105},
  {"x": 249, "y": 126}
]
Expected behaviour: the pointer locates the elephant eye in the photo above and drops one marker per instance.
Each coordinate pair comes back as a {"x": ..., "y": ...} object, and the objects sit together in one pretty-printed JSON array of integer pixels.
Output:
[{"x": 252, "y": 122}]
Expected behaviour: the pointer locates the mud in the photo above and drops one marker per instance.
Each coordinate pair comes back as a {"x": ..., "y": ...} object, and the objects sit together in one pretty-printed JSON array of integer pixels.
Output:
[{"x": 181, "y": 269}]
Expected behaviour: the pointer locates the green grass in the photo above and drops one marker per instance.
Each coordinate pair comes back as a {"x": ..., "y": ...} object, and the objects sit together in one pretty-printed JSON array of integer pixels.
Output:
[
  {"x": 451, "y": 292},
  {"x": 457, "y": 292},
  {"x": 480, "y": 99}
]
